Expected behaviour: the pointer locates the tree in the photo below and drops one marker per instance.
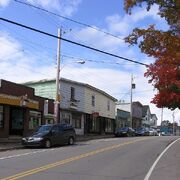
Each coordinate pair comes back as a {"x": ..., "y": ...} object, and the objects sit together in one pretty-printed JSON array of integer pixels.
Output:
[{"x": 164, "y": 46}]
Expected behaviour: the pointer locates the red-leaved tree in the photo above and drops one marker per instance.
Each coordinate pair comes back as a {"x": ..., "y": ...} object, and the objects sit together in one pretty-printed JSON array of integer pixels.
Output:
[{"x": 164, "y": 46}]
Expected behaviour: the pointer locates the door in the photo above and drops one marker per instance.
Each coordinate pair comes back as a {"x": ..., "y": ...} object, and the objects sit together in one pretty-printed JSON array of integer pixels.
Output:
[
  {"x": 16, "y": 122},
  {"x": 57, "y": 135}
]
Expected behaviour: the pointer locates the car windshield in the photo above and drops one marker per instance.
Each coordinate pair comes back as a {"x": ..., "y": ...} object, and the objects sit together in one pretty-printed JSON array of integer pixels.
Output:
[
  {"x": 124, "y": 129},
  {"x": 44, "y": 128},
  {"x": 140, "y": 129}
]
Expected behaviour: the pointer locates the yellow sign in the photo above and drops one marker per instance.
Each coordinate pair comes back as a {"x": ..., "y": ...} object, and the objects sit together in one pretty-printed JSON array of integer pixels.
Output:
[{"x": 18, "y": 101}]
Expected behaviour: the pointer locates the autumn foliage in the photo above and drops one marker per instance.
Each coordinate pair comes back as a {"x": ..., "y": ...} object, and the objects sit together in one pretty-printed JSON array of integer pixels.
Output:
[{"x": 164, "y": 46}]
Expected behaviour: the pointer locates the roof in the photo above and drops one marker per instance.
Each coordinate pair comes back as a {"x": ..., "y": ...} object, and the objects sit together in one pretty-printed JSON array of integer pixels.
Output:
[{"x": 71, "y": 81}]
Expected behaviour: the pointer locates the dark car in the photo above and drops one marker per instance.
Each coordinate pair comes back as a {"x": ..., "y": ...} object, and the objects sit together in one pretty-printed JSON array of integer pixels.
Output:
[
  {"x": 51, "y": 134},
  {"x": 125, "y": 131},
  {"x": 142, "y": 131}
]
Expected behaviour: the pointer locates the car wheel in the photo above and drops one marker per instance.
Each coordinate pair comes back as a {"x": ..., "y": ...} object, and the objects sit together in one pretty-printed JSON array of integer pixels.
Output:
[
  {"x": 71, "y": 141},
  {"x": 47, "y": 143}
]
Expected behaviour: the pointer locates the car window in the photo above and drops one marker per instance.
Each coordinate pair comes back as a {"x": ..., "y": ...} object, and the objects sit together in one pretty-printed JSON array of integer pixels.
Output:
[
  {"x": 55, "y": 128},
  {"x": 44, "y": 128}
]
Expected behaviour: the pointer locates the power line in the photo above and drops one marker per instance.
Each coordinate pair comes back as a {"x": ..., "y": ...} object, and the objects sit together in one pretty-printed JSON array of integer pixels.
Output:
[
  {"x": 69, "y": 19},
  {"x": 90, "y": 60},
  {"x": 72, "y": 42}
]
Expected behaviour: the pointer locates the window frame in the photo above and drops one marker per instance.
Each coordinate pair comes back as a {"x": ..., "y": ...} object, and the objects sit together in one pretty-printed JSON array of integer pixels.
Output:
[
  {"x": 72, "y": 93},
  {"x": 93, "y": 100}
]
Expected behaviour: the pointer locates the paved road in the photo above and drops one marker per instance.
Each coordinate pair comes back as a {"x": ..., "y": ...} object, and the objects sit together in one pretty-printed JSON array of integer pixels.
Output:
[{"x": 105, "y": 159}]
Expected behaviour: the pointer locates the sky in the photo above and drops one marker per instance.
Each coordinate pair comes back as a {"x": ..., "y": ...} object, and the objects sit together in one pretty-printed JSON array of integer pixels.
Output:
[{"x": 27, "y": 55}]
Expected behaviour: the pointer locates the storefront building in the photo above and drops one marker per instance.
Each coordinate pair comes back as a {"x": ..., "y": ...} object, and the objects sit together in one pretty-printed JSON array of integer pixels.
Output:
[
  {"x": 21, "y": 111},
  {"x": 89, "y": 109}
]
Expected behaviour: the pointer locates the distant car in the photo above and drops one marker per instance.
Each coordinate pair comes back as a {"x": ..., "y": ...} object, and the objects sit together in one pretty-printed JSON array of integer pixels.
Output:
[
  {"x": 51, "y": 134},
  {"x": 142, "y": 131},
  {"x": 125, "y": 131},
  {"x": 152, "y": 132}
]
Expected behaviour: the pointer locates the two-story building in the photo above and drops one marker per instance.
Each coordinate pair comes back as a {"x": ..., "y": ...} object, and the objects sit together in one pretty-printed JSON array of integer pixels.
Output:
[
  {"x": 136, "y": 112},
  {"x": 146, "y": 116},
  {"x": 153, "y": 122},
  {"x": 88, "y": 109}
]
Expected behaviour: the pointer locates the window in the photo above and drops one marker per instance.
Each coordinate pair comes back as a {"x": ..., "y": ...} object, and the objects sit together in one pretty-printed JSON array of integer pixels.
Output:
[
  {"x": 1, "y": 117},
  {"x": 110, "y": 125},
  {"x": 72, "y": 93},
  {"x": 66, "y": 117},
  {"x": 93, "y": 100},
  {"x": 108, "y": 105},
  {"x": 76, "y": 121},
  {"x": 34, "y": 119}
]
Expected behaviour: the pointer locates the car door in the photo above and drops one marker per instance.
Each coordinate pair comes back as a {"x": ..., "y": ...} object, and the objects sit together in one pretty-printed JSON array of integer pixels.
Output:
[
  {"x": 55, "y": 135},
  {"x": 61, "y": 135}
]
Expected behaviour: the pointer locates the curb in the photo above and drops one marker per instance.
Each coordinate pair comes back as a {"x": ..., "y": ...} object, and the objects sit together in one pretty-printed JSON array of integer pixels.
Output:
[{"x": 79, "y": 139}]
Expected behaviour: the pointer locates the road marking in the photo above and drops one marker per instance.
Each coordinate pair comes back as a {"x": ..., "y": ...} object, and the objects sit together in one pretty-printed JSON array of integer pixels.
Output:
[
  {"x": 25, "y": 154},
  {"x": 68, "y": 160},
  {"x": 157, "y": 160}
]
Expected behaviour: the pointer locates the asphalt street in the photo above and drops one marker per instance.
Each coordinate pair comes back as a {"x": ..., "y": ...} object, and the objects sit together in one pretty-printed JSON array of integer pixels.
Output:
[{"x": 103, "y": 159}]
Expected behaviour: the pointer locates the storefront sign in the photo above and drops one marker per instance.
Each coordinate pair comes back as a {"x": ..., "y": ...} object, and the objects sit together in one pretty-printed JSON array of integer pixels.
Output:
[
  {"x": 18, "y": 101},
  {"x": 95, "y": 114}
]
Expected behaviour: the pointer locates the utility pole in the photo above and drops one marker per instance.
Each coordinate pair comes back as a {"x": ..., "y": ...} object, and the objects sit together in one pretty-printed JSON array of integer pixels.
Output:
[
  {"x": 132, "y": 87},
  {"x": 173, "y": 123},
  {"x": 57, "y": 100}
]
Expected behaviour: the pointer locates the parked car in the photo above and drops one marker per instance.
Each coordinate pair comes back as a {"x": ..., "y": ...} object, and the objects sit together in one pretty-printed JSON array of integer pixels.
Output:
[
  {"x": 51, "y": 134},
  {"x": 125, "y": 131},
  {"x": 153, "y": 132},
  {"x": 142, "y": 131}
]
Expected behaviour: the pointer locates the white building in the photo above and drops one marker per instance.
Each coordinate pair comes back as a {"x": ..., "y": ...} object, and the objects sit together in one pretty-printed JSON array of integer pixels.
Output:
[{"x": 88, "y": 109}]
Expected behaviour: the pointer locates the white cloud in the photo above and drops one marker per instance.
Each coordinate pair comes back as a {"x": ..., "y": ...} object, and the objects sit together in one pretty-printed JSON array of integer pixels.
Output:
[
  {"x": 4, "y": 3},
  {"x": 98, "y": 39},
  {"x": 140, "y": 14},
  {"x": 124, "y": 24},
  {"x": 16, "y": 65},
  {"x": 64, "y": 7}
]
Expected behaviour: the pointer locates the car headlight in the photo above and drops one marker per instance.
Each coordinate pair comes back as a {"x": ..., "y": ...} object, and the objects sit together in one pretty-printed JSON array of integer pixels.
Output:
[
  {"x": 23, "y": 139},
  {"x": 37, "y": 138}
]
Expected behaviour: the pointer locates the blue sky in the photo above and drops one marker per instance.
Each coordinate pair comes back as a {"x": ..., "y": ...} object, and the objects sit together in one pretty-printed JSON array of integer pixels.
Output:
[{"x": 27, "y": 55}]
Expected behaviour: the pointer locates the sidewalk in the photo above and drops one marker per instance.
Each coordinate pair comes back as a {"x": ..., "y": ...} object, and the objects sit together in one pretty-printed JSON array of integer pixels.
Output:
[{"x": 4, "y": 146}]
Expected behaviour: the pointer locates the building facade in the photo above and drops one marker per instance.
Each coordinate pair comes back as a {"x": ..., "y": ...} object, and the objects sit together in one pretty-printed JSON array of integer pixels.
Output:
[
  {"x": 88, "y": 109},
  {"x": 153, "y": 122},
  {"x": 146, "y": 116},
  {"x": 136, "y": 112},
  {"x": 21, "y": 111},
  {"x": 122, "y": 118}
]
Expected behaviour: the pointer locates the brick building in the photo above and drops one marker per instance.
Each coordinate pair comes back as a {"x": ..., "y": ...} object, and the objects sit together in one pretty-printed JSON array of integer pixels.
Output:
[{"x": 21, "y": 111}]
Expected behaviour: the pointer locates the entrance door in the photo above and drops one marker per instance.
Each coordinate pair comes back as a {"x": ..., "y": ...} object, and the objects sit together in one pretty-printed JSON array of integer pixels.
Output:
[{"x": 16, "y": 122}]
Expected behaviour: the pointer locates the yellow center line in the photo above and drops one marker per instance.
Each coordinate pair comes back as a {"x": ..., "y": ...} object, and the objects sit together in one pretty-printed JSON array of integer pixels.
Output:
[{"x": 68, "y": 160}]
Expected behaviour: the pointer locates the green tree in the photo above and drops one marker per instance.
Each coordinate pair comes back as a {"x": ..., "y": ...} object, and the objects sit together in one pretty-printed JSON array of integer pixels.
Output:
[{"x": 164, "y": 46}]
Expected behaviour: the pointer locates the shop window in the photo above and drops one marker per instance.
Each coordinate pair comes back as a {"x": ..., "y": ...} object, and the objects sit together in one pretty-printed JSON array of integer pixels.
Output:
[
  {"x": 66, "y": 117},
  {"x": 34, "y": 119},
  {"x": 1, "y": 117},
  {"x": 76, "y": 121},
  {"x": 110, "y": 125}
]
